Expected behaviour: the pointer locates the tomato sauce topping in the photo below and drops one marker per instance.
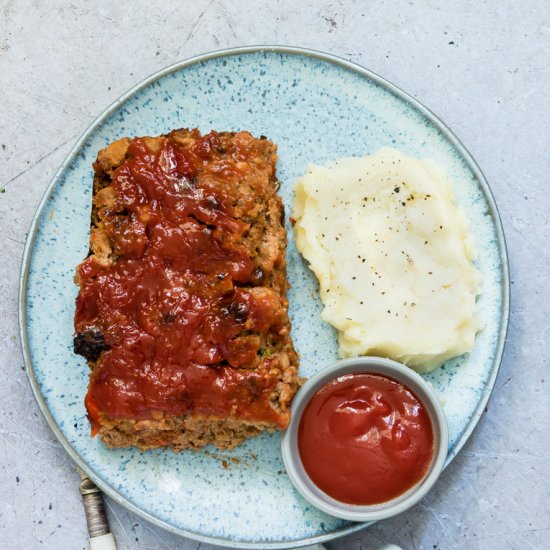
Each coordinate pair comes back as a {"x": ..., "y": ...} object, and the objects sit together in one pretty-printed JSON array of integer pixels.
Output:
[
  {"x": 180, "y": 329},
  {"x": 365, "y": 439}
]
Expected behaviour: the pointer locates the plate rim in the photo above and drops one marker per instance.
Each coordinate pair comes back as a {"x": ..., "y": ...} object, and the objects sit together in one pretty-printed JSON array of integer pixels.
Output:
[{"x": 188, "y": 62}]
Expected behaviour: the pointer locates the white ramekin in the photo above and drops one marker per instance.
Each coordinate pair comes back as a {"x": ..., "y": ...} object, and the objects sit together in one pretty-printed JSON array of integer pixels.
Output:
[{"x": 371, "y": 365}]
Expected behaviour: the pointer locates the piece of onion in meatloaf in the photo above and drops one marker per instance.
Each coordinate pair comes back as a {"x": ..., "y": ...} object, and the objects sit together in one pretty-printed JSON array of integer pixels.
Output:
[{"x": 182, "y": 311}]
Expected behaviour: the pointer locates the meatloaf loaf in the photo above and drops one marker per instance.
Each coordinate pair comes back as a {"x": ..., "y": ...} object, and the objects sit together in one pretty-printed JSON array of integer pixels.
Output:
[{"x": 182, "y": 312}]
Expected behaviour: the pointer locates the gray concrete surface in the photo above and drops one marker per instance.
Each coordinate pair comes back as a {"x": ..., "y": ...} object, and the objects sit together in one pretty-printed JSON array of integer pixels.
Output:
[{"x": 482, "y": 66}]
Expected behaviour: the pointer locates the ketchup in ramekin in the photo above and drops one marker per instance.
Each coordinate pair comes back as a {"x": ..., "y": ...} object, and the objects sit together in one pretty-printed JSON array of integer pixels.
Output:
[{"x": 365, "y": 439}]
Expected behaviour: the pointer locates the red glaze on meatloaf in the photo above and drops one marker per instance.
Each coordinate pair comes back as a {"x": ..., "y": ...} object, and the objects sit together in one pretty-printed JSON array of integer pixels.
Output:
[{"x": 182, "y": 311}]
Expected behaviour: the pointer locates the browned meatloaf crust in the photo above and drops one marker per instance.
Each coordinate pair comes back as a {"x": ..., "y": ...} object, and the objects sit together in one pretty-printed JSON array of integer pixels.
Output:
[{"x": 182, "y": 311}]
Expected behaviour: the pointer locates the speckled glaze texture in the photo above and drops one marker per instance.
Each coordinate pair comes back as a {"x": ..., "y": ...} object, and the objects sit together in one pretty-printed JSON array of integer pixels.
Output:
[{"x": 315, "y": 110}]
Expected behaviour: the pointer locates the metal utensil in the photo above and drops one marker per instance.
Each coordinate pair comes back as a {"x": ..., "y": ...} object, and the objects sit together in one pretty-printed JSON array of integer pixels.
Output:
[{"x": 101, "y": 537}]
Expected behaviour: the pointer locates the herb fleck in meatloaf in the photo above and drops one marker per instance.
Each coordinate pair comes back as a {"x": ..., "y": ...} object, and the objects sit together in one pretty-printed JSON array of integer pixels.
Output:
[{"x": 182, "y": 310}]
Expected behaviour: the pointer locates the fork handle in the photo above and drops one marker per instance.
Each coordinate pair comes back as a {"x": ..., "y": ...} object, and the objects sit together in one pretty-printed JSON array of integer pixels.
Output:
[
  {"x": 103, "y": 542},
  {"x": 101, "y": 537}
]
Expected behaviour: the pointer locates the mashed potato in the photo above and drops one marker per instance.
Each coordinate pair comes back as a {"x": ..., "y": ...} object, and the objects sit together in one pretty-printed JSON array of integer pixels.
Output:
[{"x": 393, "y": 256}]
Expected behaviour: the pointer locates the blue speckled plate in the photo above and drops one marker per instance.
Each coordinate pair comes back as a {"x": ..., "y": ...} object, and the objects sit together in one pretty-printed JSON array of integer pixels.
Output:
[{"x": 315, "y": 107}]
